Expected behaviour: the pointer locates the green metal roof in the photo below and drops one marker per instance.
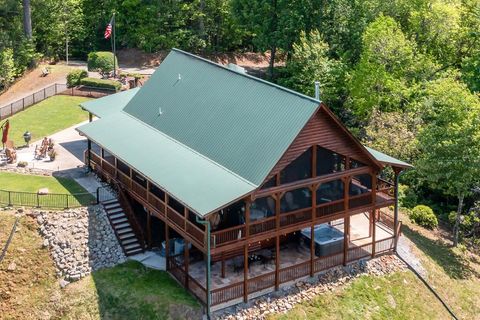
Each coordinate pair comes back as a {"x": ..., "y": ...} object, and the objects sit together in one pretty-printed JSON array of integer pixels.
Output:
[
  {"x": 238, "y": 121},
  {"x": 202, "y": 132},
  {"x": 109, "y": 104},
  {"x": 386, "y": 159},
  {"x": 196, "y": 181}
]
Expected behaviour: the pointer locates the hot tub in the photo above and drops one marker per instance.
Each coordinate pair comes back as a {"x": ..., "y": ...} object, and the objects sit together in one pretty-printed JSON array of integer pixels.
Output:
[{"x": 328, "y": 240}]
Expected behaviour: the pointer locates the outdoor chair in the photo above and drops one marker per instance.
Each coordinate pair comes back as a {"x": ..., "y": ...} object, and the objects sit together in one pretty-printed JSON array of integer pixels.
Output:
[
  {"x": 45, "y": 72},
  {"x": 11, "y": 155}
]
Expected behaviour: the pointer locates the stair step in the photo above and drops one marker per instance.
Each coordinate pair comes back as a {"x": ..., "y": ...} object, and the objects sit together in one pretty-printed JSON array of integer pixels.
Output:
[
  {"x": 129, "y": 241},
  {"x": 111, "y": 205},
  {"x": 110, "y": 201},
  {"x": 132, "y": 246},
  {"x": 119, "y": 220},
  {"x": 114, "y": 210},
  {"x": 125, "y": 236},
  {"x": 132, "y": 252},
  {"x": 124, "y": 230},
  {"x": 121, "y": 225},
  {"x": 117, "y": 215}
]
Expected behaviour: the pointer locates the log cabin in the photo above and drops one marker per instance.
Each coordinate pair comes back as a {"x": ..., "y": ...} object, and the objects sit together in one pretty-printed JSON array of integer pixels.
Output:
[{"x": 245, "y": 186}]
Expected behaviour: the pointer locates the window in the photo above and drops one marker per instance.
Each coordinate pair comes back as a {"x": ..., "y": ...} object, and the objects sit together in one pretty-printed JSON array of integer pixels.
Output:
[
  {"x": 270, "y": 183},
  {"x": 138, "y": 178},
  {"x": 329, "y": 161},
  {"x": 96, "y": 148},
  {"x": 330, "y": 191},
  {"x": 107, "y": 156},
  {"x": 262, "y": 208},
  {"x": 175, "y": 205},
  {"x": 299, "y": 169},
  {"x": 123, "y": 167},
  {"x": 156, "y": 191},
  {"x": 360, "y": 184},
  {"x": 355, "y": 164},
  {"x": 296, "y": 199}
]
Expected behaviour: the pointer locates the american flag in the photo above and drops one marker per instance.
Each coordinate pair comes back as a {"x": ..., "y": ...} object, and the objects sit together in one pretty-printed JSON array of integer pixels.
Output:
[{"x": 108, "y": 31}]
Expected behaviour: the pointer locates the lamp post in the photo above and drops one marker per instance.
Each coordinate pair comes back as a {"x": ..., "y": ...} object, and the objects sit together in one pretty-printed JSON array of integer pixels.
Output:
[{"x": 27, "y": 136}]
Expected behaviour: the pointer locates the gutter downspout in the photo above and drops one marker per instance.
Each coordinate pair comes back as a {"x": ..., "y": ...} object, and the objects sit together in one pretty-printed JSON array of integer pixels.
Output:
[{"x": 206, "y": 223}]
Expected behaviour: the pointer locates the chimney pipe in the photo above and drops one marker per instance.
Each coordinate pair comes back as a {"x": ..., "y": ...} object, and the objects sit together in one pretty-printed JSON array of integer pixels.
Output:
[{"x": 317, "y": 90}]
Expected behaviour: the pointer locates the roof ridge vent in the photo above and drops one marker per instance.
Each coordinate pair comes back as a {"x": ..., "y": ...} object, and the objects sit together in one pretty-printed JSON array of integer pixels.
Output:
[{"x": 236, "y": 68}]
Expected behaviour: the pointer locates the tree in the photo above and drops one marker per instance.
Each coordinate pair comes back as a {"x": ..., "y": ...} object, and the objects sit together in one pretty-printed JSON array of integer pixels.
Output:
[
  {"x": 389, "y": 70},
  {"x": 394, "y": 133},
  {"x": 102, "y": 62},
  {"x": 310, "y": 62},
  {"x": 449, "y": 144},
  {"x": 7, "y": 67},
  {"x": 27, "y": 18}
]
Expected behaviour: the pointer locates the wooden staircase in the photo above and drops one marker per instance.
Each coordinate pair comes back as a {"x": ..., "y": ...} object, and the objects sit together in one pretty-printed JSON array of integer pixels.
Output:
[{"x": 126, "y": 230}]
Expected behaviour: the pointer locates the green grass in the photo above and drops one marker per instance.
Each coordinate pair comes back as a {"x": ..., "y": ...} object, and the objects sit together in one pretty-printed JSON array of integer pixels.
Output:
[
  {"x": 397, "y": 296},
  {"x": 30, "y": 183},
  {"x": 47, "y": 117},
  {"x": 454, "y": 274},
  {"x": 127, "y": 291}
]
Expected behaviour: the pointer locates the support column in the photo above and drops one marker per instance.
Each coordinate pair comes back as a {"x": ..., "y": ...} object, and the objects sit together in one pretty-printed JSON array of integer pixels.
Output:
[
  {"x": 186, "y": 261},
  {"x": 89, "y": 154},
  {"x": 245, "y": 273},
  {"x": 167, "y": 245},
  {"x": 149, "y": 230},
  {"x": 278, "y": 196},
  {"x": 89, "y": 116},
  {"x": 398, "y": 172},
  {"x": 312, "y": 229},
  {"x": 373, "y": 219},
  {"x": 346, "y": 219}
]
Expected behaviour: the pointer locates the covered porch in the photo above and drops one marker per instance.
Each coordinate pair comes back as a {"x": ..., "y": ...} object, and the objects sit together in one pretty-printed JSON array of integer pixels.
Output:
[{"x": 258, "y": 263}]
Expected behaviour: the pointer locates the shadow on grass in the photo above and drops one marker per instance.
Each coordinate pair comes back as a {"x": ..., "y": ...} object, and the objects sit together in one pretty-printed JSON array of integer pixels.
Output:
[
  {"x": 77, "y": 194},
  {"x": 454, "y": 265}
]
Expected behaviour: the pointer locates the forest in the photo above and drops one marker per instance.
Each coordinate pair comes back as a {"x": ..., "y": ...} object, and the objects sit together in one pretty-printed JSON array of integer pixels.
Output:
[{"x": 404, "y": 75}]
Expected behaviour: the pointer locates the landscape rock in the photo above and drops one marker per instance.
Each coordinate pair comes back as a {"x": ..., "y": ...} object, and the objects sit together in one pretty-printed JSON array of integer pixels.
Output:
[
  {"x": 12, "y": 266},
  {"x": 80, "y": 241}
]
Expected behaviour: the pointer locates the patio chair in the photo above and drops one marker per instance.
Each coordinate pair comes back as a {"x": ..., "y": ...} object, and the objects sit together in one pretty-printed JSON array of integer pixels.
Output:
[
  {"x": 11, "y": 155},
  {"x": 45, "y": 72}
]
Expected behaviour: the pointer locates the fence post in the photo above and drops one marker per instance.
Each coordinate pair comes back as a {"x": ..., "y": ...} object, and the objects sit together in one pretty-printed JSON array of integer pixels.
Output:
[
  {"x": 33, "y": 95},
  {"x": 55, "y": 88},
  {"x": 44, "y": 93},
  {"x": 9, "y": 198},
  {"x": 66, "y": 196},
  {"x": 11, "y": 109},
  {"x": 98, "y": 195},
  {"x": 38, "y": 201},
  {"x": 23, "y": 103}
]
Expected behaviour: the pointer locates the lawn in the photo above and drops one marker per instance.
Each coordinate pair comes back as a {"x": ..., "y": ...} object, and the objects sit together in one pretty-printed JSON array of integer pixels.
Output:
[
  {"x": 397, "y": 296},
  {"x": 455, "y": 274},
  {"x": 30, "y": 183},
  {"x": 47, "y": 117},
  {"x": 127, "y": 291}
]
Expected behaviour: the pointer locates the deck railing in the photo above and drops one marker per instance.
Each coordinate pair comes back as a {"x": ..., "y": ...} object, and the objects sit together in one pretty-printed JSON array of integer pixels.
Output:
[
  {"x": 294, "y": 272},
  {"x": 261, "y": 282},
  {"x": 224, "y": 294},
  {"x": 359, "y": 252},
  {"x": 327, "y": 262},
  {"x": 295, "y": 217},
  {"x": 386, "y": 219}
]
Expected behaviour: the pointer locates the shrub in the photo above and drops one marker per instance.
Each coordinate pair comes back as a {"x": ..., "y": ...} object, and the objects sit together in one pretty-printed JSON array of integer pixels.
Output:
[
  {"x": 22, "y": 164},
  {"x": 101, "y": 83},
  {"x": 101, "y": 61},
  {"x": 74, "y": 77},
  {"x": 424, "y": 216},
  {"x": 407, "y": 196}
]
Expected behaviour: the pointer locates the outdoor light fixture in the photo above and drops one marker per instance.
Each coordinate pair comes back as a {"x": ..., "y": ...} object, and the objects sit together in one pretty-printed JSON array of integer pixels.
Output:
[{"x": 27, "y": 136}]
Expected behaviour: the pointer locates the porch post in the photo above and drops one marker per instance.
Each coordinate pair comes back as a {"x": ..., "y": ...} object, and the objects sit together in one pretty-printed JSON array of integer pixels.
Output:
[
  {"x": 277, "y": 241},
  {"x": 186, "y": 261},
  {"x": 398, "y": 173},
  {"x": 346, "y": 219},
  {"x": 89, "y": 155},
  {"x": 149, "y": 229},
  {"x": 167, "y": 245},
  {"x": 312, "y": 232},
  {"x": 373, "y": 225},
  {"x": 90, "y": 117},
  {"x": 245, "y": 273}
]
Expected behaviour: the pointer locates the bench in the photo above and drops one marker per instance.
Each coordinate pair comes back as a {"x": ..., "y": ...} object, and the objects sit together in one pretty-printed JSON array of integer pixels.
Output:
[{"x": 45, "y": 72}]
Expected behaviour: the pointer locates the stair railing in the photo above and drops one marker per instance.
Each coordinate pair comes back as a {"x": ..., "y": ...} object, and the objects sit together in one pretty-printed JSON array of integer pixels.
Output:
[{"x": 132, "y": 219}]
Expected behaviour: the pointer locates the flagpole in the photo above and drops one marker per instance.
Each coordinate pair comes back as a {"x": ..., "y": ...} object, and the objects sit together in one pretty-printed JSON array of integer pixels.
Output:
[{"x": 114, "y": 49}]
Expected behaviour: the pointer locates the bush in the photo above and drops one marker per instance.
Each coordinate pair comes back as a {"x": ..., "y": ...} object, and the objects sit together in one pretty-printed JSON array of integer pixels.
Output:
[
  {"x": 74, "y": 77},
  {"x": 22, "y": 164},
  {"x": 101, "y": 83},
  {"x": 101, "y": 61},
  {"x": 407, "y": 196},
  {"x": 424, "y": 216}
]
